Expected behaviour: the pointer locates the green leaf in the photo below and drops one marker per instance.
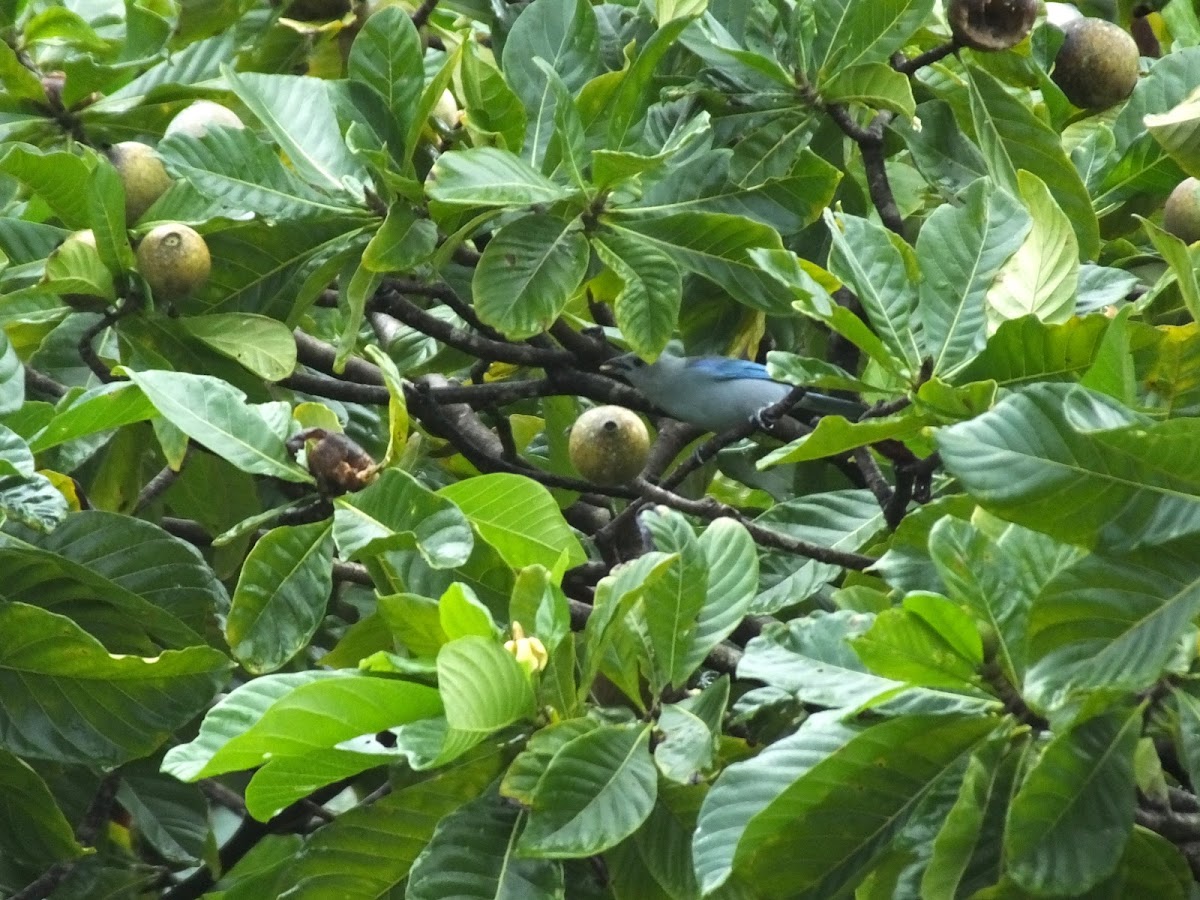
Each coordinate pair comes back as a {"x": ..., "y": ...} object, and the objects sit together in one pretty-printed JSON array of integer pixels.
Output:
[
  {"x": 807, "y": 783},
  {"x": 386, "y": 55},
  {"x": 76, "y": 268},
  {"x": 856, "y": 32},
  {"x": 45, "y": 836},
  {"x": 878, "y": 269},
  {"x": 60, "y": 178},
  {"x": 492, "y": 108},
  {"x": 564, "y": 33},
  {"x": 595, "y": 792},
  {"x": 1026, "y": 350},
  {"x": 1178, "y": 133},
  {"x": 834, "y": 435},
  {"x": 264, "y": 346},
  {"x": 397, "y": 512},
  {"x": 1013, "y": 138},
  {"x": 216, "y": 415},
  {"x": 281, "y": 595},
  {"x": 472, "y": 854},
  {"x": 237, "y": 167},
  {"x": 960, "y": 251},
  {"x": 489, "y": 177},
  {"x": 647, "y": 306},
  {"x": 529, "y": 271},
  {"x": 518, "y": 517},
  {"x": 1175, "y": 252},
  {"x": 1072, "y": 817},
  {"x": 1079, "y": 466},
  {"x": 875, "y": 84},
  {"x": 1112, "y": 623},
  {"x": 306, "y": 718},
  {"x": 12, "y": 377},
  {"x": 367, "y": 850},
  {"x": 673, "y": 601},
  {"x": 108, "y": 709},
  {"x": 928, "y": 642},
  {"x": 299, "y": 114},
  {"x": 460, "y": 614},
  {"x": 729, "y": 553},
  {"x": 106, "y": 217},
  {"x": 716, "y": 247},
  {"x": 483, "y": 686},
  {"x": 402, "y": 242},
  {"x": 1040, "y": 279}
]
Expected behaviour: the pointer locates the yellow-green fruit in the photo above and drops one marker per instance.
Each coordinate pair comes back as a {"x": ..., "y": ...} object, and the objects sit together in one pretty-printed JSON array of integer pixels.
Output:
[
  {"x": 990, "y": 24},
  {"x": 445, "y": 112},
  {"x": 195, "y": 120},
  {"x": 609, "y": 445},
  {"x": 1097, "y": 64},
  {"x": 143, "y": 175},
  {"x": 174, "y": 260},
  {"x": 1181, "y": 215}
]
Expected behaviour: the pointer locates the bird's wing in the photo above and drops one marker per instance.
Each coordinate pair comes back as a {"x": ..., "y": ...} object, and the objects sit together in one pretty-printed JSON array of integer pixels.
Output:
[{"x": 726, "y": 369}]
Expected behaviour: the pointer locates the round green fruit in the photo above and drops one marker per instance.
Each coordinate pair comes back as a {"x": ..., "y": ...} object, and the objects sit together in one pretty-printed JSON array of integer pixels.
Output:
[
  {"x": 196, "y": 119},
  {"x": 174, "y": 260},
  {"x": 1097, "y": 64},
  {"x": 143, "y": 175},
  {"x": 1181, "y": 215},
  {"x": 609, "y": 445},
  {"x": 990, "y": 25}
]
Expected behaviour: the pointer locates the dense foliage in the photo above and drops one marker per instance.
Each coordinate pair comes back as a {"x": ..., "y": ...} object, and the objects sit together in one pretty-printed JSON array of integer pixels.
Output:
[{"x": 301, "y": 596}]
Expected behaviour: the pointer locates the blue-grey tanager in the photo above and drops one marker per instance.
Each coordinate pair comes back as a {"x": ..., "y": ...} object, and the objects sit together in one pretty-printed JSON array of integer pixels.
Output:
[{"x": 715, "y": 392}]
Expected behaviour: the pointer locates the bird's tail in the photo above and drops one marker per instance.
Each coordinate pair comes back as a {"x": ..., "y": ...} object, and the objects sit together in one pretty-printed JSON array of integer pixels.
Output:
[{"x": 824, "y": 405}]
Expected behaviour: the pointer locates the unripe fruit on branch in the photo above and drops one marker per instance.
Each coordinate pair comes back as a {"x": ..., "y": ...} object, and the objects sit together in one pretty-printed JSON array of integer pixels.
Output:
[
  {"x": 990, "y": 24},
  {"x": 609, "y": 445},
  {"x": 174, "y": 260},
  {"x": 1097, "y": 64},
  {"x": 1181, "y": 215},
  {"x": 142, "y": 174}
]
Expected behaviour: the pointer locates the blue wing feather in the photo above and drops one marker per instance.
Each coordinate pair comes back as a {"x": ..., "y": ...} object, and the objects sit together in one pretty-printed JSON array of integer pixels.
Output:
[{"x": 724, "y": 368}]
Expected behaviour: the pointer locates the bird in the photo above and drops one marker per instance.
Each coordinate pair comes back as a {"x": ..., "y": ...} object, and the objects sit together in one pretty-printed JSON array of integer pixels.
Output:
[{"x": 716, "y": 393}]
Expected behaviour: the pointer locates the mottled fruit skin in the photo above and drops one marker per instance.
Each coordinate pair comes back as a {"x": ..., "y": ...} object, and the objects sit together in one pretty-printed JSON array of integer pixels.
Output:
[
  {"x": 143, "y": 175},
  {"x": 195, "y": 120},
  {"x": 1097, "y": 65},
  {"x": 990, "y": 25},
  {"x": 609, "y": 445},
  {"x": 174, "y": 260},
  {"x": 1181, "y": 215}
]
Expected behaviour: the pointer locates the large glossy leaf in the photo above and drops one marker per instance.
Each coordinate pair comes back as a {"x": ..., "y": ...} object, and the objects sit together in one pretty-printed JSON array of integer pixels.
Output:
[
  {"x": 856, "y": 32},
  {"x": 807, "y": 783},
  {"x": 281, "y": 595},
  {"x": 216, "y": 415},
  {"x": 60, "y": 178},
  {"x": 596, "y": 790},
  {"x": 298, "y": 113},
  {"x": 647, "y": 305},
  {"x": 672, "y": 602},
  {"x": 12, "y": 377},
  {"x": 96, "y": 409},
  {"x": 960, "y": 251},
  {"x": 397, "y": 512},
  {"x": 387, "y": 55},
  {"x": 879, "y": 271},
  {"x": 472, "y": 855},
  {"x": 483, "y": 686},
  {"x": 1113, "y": 622},
  {"x": 529, "y": 270},
  {"x": 927, "y": 641},
  {"x": 1013, "y": 138},
  {"x": 367, "y": 851},
  {"x": 518, "y": 517},
  {"x": 1040, "y": 279},
  {"x": 63, "y": 697},
  {"x": 1073, "y": 814},
  {"x": 109, "y": 571},
  {"x": 45, "y": 836},
  {"x": 264, "y": 346},
  {"x": 717, "y": 247},
  {"x": 1026, "y": 350},
  {"x": 564, "y": 33},
  {"x": 1075, "y": 464},
  {"x": 237, "y": 167},
  {"x": 487, "y": 176},
  {"x": 729, "y": 553}
]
